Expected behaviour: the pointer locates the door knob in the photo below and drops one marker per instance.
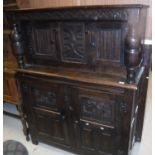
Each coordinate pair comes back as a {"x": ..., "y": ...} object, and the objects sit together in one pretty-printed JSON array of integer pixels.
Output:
[
  {"x": 87, "y": 124},
  {"x": 102, "y": 128},
  {"x": 76, "y": 121}
]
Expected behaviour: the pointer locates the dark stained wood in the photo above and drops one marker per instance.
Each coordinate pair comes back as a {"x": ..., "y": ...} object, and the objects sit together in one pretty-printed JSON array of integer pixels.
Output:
[
  {"x": 82, "y": 44},
  {"x": 85, "y": 77},
  {"x": 79, "y": 76},
  {"x": 10, "y": 90},
  {"x": 60, "y": 3}
]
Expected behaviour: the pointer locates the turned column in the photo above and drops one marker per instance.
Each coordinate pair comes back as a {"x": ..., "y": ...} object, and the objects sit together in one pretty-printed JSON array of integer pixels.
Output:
[
  {"x": 23, "y": 120},
  {"x": 132, "y": 52},
  {"x": 18, "y": 45},
  {"x": 18, "y": 50}
]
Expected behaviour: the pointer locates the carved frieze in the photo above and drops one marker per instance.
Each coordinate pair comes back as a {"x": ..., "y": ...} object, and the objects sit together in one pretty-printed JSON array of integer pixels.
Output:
[{"x": 70, "y": 14}]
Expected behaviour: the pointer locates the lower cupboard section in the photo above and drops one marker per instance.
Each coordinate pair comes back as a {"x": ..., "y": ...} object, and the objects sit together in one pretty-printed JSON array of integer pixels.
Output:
[
  {"x": 82, "y": 120},
  {"x": 82, "y": 137}
]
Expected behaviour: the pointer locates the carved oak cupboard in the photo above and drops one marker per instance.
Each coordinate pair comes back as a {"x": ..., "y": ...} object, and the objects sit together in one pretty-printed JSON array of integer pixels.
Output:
[{"x": 80, "y": 76}]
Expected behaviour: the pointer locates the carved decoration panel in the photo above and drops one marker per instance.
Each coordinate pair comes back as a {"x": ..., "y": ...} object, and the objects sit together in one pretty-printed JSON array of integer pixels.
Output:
[
  {"x": 73, "y": 42},
  {"x": 97, "y": 109},
  {"x": 44, "y": 98},
  {"x": 72, "y": 14}
]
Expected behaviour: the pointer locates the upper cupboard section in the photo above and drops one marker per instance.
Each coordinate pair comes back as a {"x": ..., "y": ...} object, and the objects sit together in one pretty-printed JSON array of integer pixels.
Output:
[{"x": 80, "y": 43}]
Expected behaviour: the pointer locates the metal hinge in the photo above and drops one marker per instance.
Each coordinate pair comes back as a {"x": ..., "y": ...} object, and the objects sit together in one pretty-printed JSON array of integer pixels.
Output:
[{"x": 123, "y": 107}]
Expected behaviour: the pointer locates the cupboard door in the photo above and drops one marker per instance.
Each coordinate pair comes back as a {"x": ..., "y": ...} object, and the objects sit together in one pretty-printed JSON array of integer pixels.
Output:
[
  {"x": 42, "y": 41},
  {"x": 46, "y": 110},
  {"x": 97, "y": 119}
]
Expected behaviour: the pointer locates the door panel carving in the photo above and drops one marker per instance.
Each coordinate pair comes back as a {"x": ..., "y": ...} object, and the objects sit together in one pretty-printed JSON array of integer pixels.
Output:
[
  {"x": 97, "y": 109},
  {"x": 44, "y": 98}
]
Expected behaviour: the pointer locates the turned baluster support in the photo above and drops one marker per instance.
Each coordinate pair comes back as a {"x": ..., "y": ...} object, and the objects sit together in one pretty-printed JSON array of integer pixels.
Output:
[
  {"x": 23, "y": 120},
  {"x": 18, "y": 45},
  {"x": 132, "y": 53}
]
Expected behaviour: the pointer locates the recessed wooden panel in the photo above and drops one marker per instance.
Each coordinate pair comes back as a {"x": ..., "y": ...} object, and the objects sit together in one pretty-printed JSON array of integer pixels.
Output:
[
  {"x": 42, "y": 40},
  {"x": 52, "y": 127},
  {"x": 96, "y": 106},
  {"x": 97, "y": 109},
  {"x": 45, "y": 95},
  {"x": 105, "y": 142},
  {"x": 73, "y": 42},
  {"x": 44, "y": 98},
  {"x": 110, "y": 44},
  {"x": 87, "y": 139},
  {"x": 96, "y": 139}
]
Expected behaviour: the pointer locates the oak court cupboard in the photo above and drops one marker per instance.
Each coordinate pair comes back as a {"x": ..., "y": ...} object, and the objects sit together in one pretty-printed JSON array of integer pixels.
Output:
[{"x": 82, "y": 76}]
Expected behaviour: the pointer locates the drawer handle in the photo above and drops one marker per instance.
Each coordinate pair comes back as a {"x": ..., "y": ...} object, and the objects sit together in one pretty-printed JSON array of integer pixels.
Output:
[
  {"x": 87, "y": 124},
  {"x": 102, "y": 128}
]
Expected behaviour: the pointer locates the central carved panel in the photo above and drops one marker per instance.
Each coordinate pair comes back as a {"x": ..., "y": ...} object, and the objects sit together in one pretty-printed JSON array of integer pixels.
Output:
[
  {"x": 73, "y": 40},
  {"x": 97, "y": 109},
  {"x": 44, "y": 98}
]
